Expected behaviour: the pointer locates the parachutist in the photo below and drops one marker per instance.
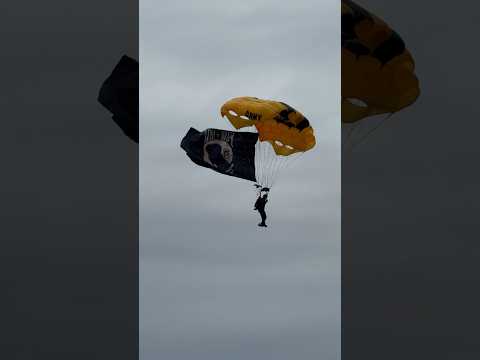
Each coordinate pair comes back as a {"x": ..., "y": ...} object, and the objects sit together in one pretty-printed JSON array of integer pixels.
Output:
[
  {"x": 281, "y": 131},
  {"x": 260, "y": 207}
]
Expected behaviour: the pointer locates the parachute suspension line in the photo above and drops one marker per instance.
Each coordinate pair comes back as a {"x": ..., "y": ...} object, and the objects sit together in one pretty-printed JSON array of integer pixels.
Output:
[
  {"x": 271, "y": 165},
  {"x": 260, "y": 162},
  {"x": 354, "y": 144},
  {"x": 264, "y": 164},
  {"x": 375, "y": 128},
  {"x": 274, "y": 160},
  {"x": 268, "y": 162},
  {"x": 260, "y": 156},
  {"x": 275, "y": 163},
  {"x": 351, "y": 130},
  {"x": 279, "y": 161},
  {"x": 258, "y": 174},
  {"x": 284, "y": 163},
  {"x": 290, "y": 160}
]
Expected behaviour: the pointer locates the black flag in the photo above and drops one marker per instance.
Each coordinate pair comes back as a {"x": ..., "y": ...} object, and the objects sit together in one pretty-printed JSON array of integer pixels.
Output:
[
  {"x": 119, "y": 94},
  {"x": 227, "y": 152}
]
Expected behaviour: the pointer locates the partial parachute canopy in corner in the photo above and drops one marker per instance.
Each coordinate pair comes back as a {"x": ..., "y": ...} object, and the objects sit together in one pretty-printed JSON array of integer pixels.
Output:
[
  {"x": 285, "y": 128},
  {"x": 227, "y": 152},
  {"x": 377, "y": 69},
  {"x": 119, "y": 94}
]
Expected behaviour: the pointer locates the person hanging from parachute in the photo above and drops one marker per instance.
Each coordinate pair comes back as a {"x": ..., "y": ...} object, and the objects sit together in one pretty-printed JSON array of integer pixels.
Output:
[
  {"x": 269, "y": 136},
  {"x": 260, "y": 207},
  {"x": 378, "y": 71},
  {"x": 261, "y": 202}
]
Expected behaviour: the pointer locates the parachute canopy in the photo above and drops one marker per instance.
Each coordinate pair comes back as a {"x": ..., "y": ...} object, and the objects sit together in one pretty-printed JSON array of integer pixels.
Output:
[
  {"x": 119, "y": 94},
  {"x": 286, "y": 129},
  {"x": 377, "y": 70},
  {"x": 227, "y": 152}
]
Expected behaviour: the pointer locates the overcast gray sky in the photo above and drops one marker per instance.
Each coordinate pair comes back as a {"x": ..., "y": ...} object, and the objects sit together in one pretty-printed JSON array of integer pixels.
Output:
[{"x": 213, "y": 285}]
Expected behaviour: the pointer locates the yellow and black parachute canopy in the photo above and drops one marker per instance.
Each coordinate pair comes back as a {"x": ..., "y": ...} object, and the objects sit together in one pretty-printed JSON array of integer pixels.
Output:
[
  {"x": 284, "y": 127},
  {"x": 377, "y": 69}
]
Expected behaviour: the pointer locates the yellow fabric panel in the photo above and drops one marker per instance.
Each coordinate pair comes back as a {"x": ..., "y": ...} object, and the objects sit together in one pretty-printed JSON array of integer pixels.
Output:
[
  {"x": 285, "y": 128},
  {"x": 385, "y": 90},
  {"x": 372, "y": 34}
]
